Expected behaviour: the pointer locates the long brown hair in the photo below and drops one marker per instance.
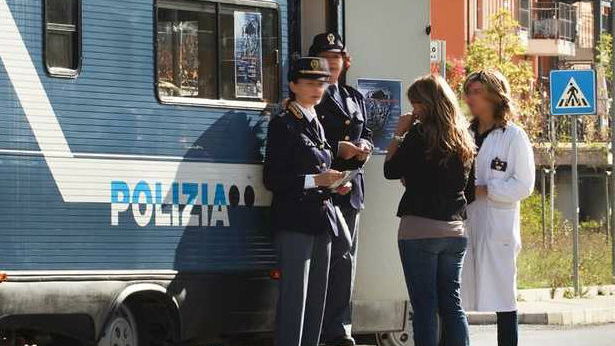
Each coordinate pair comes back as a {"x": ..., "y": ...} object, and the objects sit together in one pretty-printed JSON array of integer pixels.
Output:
[
  {"x": 445, "y": 127},
  {"x": 498, "y": 93}
]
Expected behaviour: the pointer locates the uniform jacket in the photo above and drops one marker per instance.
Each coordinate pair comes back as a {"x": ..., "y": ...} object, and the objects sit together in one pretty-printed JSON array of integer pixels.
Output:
[
  {"x": 346, "y": 125},
  {"x": 294, "y": 149}
]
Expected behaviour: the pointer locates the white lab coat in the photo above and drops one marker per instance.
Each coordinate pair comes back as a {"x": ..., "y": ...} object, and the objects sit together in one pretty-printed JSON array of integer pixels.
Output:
[{"x": 489, "y": 276}]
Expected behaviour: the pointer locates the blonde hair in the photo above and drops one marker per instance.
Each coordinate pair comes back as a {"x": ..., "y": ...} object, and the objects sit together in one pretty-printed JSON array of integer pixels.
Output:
[
  {"x": 445, "y": 127},
  {"x": 498, "y": 93}
]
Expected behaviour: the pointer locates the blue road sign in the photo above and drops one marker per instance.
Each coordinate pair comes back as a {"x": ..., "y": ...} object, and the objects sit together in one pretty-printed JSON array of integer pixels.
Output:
[{"x": 573, "y": 92}]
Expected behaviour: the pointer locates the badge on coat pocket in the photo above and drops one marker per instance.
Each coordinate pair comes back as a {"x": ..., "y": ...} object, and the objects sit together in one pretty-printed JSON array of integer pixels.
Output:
[{"x": 499, "y": 165}]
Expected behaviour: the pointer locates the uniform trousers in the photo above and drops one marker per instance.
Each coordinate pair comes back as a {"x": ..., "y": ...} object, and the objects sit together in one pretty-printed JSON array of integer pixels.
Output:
[{"x": 304, "y": 264}]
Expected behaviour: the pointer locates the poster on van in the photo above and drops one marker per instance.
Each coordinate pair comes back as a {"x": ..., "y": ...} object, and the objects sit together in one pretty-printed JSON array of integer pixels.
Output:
[
  {"x": 383, "y": 103},
  {"x": 248, "y": 55}
]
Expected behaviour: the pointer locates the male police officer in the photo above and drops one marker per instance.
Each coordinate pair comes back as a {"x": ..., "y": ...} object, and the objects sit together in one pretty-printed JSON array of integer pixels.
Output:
[
  {"x": 298, "y": 172},
  {"x": 342, "y": 114}
]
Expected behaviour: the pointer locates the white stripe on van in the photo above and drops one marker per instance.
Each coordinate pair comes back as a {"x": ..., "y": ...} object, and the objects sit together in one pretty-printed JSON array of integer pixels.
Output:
[{"x": 88, "y": 179}]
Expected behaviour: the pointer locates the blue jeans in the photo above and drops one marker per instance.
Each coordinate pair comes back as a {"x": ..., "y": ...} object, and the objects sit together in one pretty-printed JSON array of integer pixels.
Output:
[{"x": 432, "y": 268}]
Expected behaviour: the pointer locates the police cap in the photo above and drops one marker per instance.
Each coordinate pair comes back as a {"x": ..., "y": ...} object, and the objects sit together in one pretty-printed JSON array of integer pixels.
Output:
[
  {"x": 310, "y": 68},
  {"x": 327, "y": 42}
]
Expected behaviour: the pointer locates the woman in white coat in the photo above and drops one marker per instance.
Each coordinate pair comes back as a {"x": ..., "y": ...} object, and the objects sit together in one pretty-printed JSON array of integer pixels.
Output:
[{"x": 503, "y": 175}]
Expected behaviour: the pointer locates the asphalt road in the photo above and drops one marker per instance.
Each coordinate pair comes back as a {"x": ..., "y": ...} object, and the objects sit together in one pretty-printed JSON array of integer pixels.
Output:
[
  {"x": 603, "y": 335},
  {"x": 534, "y": 335}
]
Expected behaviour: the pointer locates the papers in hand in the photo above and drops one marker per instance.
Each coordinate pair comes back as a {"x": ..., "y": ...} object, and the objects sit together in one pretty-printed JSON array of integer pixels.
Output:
[{"x": 348, "y": 176}]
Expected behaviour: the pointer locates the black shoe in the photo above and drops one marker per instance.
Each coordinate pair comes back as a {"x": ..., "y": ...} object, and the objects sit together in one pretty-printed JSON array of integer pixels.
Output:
[{"x": 341, "y": 341}]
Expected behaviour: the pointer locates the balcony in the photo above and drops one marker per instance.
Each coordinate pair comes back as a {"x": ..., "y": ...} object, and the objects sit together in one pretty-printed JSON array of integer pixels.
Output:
[
  {"x": 524, "y": 19},
  {"x": 553, "y": 29}
]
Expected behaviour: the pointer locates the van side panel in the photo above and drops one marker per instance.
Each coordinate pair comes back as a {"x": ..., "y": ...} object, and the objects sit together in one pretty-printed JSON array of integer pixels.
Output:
[{"x": 119, "y": 200}]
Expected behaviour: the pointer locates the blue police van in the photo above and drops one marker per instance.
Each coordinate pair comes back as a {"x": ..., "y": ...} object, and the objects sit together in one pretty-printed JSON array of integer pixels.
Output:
[
  {"x": 132, "y": 137},
  {"x": 130, "y": 169}
]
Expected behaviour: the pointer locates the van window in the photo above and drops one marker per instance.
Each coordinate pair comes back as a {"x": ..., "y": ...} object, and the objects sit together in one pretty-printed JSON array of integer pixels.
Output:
[
  {"x": 217, "y": 51},
  {"x": 62, "y": 37}
]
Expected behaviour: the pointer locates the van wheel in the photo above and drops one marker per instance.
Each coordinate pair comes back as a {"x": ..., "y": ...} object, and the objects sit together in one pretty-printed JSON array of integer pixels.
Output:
[
  {"x": 121, "y": 329},
  {"x": 402, "y": 338}
]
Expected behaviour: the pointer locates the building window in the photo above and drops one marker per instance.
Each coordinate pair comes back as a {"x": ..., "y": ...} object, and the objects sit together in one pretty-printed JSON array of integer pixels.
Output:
[
  {"x": 479, "y": 15},
  {"x": 524, "y": 14},
  {"x": 62, "y": 37},
  {"x": 606, "y": 16},
  {"x": 209, "y": 51}
]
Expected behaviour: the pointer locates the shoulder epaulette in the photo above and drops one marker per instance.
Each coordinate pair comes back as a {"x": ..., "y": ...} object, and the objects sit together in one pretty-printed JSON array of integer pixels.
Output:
[{"x": 295, "y": 110}]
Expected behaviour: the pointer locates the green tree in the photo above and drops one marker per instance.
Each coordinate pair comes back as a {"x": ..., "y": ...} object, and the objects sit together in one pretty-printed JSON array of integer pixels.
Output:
[
  {"x": 500, "y": 47},
  {"x": 604, "y": 51},
  {"x": 604, "y": 70}
]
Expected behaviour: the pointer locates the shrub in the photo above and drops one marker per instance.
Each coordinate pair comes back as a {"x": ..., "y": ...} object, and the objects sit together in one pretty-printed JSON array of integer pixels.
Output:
[{"x": 541, "y": 266}]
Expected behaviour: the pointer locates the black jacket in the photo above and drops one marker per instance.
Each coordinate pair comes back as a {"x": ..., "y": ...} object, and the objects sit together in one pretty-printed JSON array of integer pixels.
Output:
[
  {"x": 433, "y": 190},
  {"x": 343, "y": 125},
  {"x": 294, "y": 149}
]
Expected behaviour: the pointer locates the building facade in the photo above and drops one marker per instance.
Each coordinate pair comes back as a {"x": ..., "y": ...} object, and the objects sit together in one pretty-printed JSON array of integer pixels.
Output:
[{"x": 556, "y": 35}]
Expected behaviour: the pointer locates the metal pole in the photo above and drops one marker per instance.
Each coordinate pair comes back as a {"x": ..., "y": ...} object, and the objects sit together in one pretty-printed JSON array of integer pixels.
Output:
[
  {"x": 575, "y": 206},
  {"x": 443, "y": 58},
  {"x": 552, "y": 205},
  {"x": 597, "y": 12},
  {"x": 613, "y": 147},
  {"x": 552, "y": 138},
  {"x": 607, "y": 174},
  {"x": 543, "y": 203}
]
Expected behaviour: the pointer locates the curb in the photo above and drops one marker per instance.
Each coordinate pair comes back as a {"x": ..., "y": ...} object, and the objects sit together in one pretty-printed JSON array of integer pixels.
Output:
[
  {"x": 547, "y": 294},
  {"x": 562, "y": 318}
]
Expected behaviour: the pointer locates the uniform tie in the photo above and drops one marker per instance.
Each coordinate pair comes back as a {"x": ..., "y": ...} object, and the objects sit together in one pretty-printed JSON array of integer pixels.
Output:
[{"x": 337, "y": 96}]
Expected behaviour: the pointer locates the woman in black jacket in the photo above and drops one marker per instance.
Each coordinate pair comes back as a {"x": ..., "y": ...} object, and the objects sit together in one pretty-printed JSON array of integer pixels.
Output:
[{"x": 432, "y": 153}]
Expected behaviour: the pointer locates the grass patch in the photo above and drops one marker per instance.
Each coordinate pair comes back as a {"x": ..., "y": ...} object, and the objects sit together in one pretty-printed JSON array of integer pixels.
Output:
[{"x": 541, "y": 266}]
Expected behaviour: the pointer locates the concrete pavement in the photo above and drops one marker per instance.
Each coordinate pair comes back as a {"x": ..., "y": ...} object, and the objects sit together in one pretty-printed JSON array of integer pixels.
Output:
[
  {"x": 532, "y": 335},
  {"x": 536, "y": 335},
  {"x": 536, "y": 308}
]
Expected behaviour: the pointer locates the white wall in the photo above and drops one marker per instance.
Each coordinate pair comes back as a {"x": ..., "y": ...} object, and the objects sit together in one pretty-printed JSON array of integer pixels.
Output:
[
  {"x": 313, "y": 22},
  {"x": 387, "y": 40}
]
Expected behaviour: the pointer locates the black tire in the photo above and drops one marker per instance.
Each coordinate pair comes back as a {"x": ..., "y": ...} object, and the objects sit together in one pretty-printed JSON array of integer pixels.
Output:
[
  {"x": 157, "y": 325},
  {"x": 121, "y": 330}
]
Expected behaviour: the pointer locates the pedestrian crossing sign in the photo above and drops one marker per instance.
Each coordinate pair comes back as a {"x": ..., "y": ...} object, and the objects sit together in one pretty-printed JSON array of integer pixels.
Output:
[{"x": 573, "y": 92}]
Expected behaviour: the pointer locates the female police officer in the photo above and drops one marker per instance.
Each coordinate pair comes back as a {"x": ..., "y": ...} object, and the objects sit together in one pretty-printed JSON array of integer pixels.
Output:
[
  {"x": 297, "y": 171},
  {"x": 342, "y": 114}
]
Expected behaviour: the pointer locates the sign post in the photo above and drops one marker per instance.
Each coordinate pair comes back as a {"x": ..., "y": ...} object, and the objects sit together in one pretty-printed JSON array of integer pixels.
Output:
[
  {"x": 437, "y": 55},
  {"x": 573, "y": 93},
  {"x": 613, "y": 152},
  {"x": 434, "y": 51},
  {"x": 575, "y": 205}
]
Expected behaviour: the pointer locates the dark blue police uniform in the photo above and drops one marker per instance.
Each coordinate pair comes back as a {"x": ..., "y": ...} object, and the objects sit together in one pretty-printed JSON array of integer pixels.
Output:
[
  {"x": 342, "y": 113},
  {"x": 345, "y": 121},
  {"x": 304, "y": 217},
  {"x": 296, "y": 148}
]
